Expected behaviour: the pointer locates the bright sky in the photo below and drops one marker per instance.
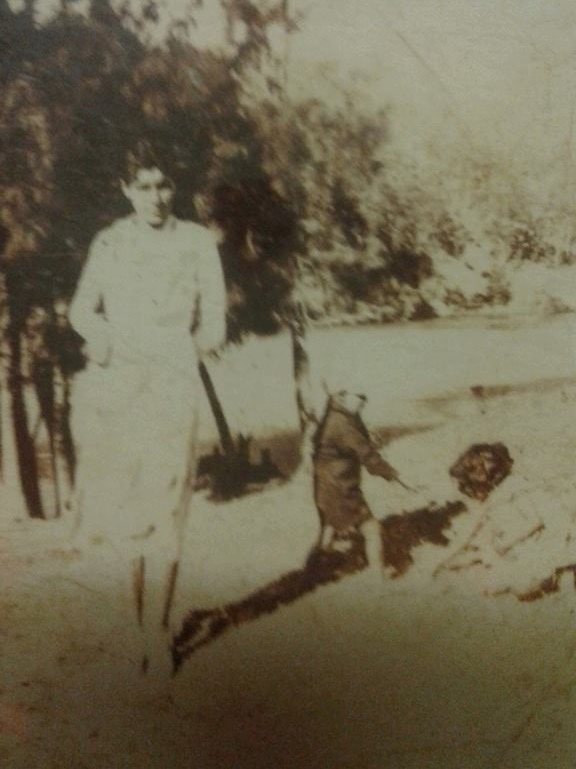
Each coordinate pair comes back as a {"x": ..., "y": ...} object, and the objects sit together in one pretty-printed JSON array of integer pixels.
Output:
[
  {"x": 503, "y": 70},
  {"x": 494, "y": 74}
]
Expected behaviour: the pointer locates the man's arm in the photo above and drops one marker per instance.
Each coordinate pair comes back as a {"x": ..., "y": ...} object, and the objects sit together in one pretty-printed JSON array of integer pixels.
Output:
[
  {"x": 210, "y": 324},
  {"x": 86, "y": 309}
]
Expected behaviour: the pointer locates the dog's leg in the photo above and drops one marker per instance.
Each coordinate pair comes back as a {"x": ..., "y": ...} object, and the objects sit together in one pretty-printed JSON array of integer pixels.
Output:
[
  {"x": 326, "y": 537},
  {"x": 370, "y": 530}
]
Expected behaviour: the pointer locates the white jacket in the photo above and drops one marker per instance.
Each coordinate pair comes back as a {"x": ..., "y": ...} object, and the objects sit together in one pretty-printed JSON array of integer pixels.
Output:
[{"x": 153, "y": 293}]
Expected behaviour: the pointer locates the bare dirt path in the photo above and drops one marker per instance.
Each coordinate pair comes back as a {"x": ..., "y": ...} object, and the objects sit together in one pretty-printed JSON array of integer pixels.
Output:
[{"x": 424, "y": 671}]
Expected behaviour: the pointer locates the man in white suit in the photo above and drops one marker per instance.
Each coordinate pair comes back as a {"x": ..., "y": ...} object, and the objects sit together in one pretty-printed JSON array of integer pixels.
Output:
[{"x": 150, "y": 303}]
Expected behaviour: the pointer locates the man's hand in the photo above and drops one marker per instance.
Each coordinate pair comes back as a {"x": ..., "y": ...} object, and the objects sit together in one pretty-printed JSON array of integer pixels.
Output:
[{"x": 213, "y": 356}]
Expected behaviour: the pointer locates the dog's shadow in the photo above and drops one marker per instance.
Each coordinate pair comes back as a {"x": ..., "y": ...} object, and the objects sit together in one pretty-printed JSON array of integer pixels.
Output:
[{"x": 400, "y": 535}]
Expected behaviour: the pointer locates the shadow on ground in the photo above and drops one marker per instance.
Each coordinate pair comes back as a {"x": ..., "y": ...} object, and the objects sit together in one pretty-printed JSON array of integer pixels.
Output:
[{"x": 400, "y": 535}]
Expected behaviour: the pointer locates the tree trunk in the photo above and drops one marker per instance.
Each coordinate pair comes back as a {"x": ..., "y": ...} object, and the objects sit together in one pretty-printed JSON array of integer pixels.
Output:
[
  {"x": 2, "y": 421},
  {"x": 303, "y": 391},
  {"x": 24, "y": 444},
  {"x": 297, "y": 325},
  {"x": 44, "y": 386},
  {"x": 64, "y": 444}
]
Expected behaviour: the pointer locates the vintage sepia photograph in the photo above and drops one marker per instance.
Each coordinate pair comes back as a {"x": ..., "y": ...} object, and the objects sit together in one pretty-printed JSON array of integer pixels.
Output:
[{"x": 287, "y": 384}]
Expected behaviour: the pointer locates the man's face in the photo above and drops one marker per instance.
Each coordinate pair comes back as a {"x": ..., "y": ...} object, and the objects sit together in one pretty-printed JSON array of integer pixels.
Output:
[{"x": 151, "y": 194}]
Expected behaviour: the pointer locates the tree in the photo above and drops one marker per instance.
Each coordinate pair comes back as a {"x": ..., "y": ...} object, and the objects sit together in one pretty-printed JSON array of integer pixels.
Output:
[
  {"x": 77, "y": 91},
  {"x": 318, "y": 218}
]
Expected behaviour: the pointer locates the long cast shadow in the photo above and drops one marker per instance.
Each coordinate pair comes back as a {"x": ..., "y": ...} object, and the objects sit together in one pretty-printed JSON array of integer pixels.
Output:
[
  {"x": 400, "y": 535},
  {"x": 483, "y": 393}
]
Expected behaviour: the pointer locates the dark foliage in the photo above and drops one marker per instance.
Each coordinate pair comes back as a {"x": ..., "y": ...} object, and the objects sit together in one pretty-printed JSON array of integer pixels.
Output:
[
  {"x": 348, "y": 216},
  {"x": 409, "y": 267},
  {"x": 76, "y": 95}
]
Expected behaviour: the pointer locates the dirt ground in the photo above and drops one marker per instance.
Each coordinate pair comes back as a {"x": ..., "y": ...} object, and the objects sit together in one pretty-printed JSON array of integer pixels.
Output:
[{"x": 443, "y": 666}]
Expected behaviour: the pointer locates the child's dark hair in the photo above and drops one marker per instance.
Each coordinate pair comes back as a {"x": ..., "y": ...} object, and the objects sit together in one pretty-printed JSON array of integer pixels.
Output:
[{"x": 142, "y": 155}]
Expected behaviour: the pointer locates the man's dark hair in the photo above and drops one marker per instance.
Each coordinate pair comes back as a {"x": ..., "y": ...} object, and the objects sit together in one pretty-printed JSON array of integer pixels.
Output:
[{"x": 142, "y": 155}]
